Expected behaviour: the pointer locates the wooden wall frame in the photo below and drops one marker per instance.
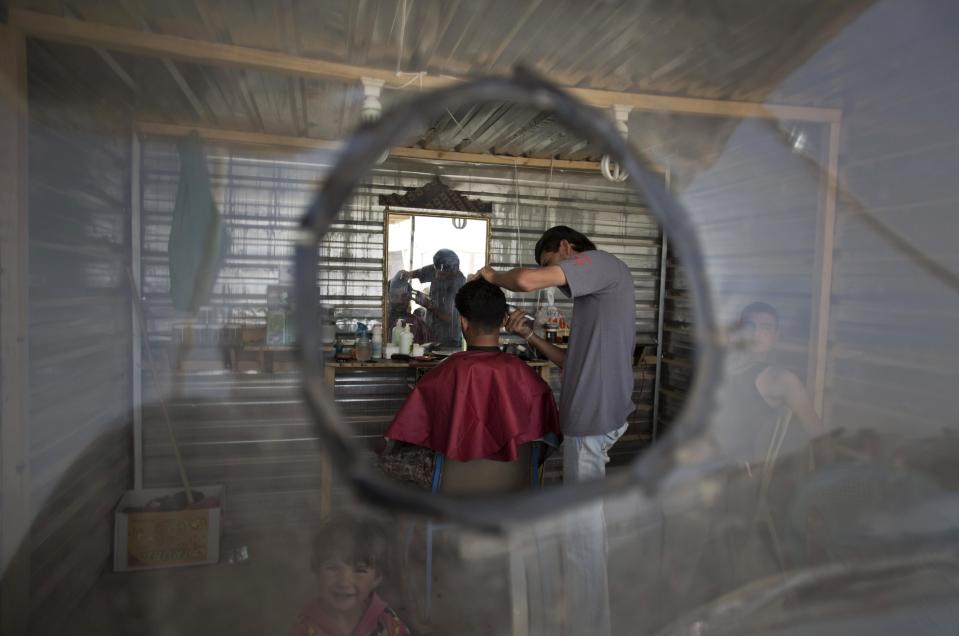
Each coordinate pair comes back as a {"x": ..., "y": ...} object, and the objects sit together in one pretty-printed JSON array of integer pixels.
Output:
[{"x": 15, "y": 515}]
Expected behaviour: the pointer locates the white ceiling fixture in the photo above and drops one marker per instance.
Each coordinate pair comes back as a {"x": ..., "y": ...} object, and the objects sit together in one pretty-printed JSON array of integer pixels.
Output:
[
  {"x": 609, "y": 168},
  {"x": 372, "y": 107}
]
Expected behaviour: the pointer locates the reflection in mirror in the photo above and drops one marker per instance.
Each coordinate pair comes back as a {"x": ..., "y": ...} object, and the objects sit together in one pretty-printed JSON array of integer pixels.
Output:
[{"x": 428, "y": 257}]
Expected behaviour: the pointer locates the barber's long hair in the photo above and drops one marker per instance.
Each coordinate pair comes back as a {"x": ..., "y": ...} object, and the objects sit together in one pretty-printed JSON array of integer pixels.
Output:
[{"x": 551, "y": 238}]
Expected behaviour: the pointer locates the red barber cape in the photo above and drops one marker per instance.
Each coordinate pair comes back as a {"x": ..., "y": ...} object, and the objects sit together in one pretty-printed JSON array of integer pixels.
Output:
[{"x": 477, "y": 405}]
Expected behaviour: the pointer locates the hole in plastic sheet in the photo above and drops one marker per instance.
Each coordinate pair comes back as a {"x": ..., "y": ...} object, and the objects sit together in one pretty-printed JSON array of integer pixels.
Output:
[{"x": 358, "y": 156}]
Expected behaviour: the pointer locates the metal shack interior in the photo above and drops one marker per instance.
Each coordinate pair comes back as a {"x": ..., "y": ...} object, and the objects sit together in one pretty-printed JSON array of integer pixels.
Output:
[{"x": 811, "y": 146}]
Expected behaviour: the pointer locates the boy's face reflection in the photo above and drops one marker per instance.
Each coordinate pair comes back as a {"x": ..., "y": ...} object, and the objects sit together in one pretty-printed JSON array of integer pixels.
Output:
[
  {"x": 346, "y": 587},
  {"x": 761, "y": 331}
]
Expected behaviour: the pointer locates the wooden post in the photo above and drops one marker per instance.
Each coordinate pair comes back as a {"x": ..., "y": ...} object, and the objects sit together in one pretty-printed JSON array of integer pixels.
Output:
[
  {"x": 137, "y": 352},
  {"x": 14, "y": 369},
  {"x": 822, "y": 283},
  {"x": 326, "y": 469},
  {"x": 660, "y": 323},
  {"x": 660, "y": 327}
]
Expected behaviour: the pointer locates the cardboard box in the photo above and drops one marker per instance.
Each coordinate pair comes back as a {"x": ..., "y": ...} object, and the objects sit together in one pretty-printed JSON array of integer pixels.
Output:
[{"x": 149, "y": 540}]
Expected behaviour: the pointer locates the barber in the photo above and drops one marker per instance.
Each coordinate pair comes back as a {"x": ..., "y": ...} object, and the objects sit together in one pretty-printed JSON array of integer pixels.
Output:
[
  {"x": 445, "y": 280},
  {"x": 597, "y": 388},
  {"x": 596, "y": 395}
]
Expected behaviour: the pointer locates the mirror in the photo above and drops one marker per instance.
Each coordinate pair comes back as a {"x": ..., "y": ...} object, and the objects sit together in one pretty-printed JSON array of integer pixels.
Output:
[{"x": 428, "y": 256}]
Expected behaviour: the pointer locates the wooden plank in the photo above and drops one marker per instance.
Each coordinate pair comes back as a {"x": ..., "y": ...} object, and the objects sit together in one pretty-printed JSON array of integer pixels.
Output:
[
  {"x": 14, "y": 367},
  {"x": 69, "y": 31},
  {"x": 822, "y": 284},
  {"x": 308, "y": 143},
  {"x": 475, "y": 157}
]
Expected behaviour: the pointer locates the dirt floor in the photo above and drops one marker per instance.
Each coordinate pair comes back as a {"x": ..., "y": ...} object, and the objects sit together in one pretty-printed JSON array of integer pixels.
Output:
[{"x": 263, "y": 595}]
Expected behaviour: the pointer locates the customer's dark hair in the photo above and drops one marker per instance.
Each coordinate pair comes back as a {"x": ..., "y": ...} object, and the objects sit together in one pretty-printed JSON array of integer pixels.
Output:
[
  {"x": 353, "y": 540},
  {"x": 482, "y": 303},
  {"x": 551, "y": 238},
  {"x": 760, "y": 308}
]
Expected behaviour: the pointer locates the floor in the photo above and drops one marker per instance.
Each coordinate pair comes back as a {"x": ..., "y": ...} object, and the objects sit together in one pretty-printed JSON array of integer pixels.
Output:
[{"x": 263, "y": 594}]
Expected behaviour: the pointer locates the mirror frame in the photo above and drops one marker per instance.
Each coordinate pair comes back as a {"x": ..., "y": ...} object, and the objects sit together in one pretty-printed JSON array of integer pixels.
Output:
[{"x": 447, "y": 214}]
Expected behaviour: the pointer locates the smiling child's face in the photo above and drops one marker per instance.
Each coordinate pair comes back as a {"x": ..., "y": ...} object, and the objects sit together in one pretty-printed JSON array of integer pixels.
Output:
[{"x": 346, "y": 587}]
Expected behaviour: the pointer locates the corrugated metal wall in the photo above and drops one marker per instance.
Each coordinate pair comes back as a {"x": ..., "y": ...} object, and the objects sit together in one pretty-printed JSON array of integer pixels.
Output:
[
  {"x": 79, "y": 314},
  {"x": 894, "y": 331},
  {"x": 249, "y": 431}
]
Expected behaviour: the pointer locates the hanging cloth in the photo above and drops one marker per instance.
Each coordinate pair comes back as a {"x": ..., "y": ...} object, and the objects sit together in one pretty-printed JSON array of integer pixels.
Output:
[{"x": 199, "y": 239}]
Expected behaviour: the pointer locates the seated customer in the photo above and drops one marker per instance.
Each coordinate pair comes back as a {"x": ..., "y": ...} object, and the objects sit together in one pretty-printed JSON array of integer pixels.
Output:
[{"x": 477, "y": 404}]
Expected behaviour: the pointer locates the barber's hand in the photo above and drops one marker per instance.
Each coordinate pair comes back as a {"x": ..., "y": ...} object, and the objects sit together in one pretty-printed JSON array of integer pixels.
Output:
[
  {"x": 518, "y": 323},
  {"x": 421, "y": 299},
  {"x": 487, "y": 274}
]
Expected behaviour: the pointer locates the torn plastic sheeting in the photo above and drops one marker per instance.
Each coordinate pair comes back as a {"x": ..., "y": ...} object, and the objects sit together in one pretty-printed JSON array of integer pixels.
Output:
[{"x": 199, "y": 240}]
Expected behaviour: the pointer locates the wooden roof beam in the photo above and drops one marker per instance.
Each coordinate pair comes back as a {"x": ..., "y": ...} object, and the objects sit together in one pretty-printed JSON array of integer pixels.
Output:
[
  {"x": 57, "y": 29},
  {"x": 244, "y": 138}
]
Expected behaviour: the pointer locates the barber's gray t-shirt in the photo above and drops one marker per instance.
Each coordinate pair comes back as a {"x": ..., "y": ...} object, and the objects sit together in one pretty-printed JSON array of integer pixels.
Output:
[{"x": 597, "y": 391}]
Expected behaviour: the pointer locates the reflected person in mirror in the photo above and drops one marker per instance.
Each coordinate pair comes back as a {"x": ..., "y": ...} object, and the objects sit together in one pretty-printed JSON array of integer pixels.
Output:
[
  {"x": 759, "y": 391},
  {"x": 445, "y": 280}
]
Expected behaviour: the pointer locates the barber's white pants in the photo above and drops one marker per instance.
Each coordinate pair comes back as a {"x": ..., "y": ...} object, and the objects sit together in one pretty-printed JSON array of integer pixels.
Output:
[{"x": 584, "y": 565}]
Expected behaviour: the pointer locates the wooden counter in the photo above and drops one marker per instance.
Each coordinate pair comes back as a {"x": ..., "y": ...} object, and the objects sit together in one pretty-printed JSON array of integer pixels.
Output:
[{"x": 542, "y": 366}]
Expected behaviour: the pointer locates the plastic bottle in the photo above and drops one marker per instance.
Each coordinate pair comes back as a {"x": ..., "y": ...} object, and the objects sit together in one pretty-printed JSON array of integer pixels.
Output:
[
  {"x": 397, "y": 330},
  {"x": 362, "y": 350},
  {"x": 377, "y": 341},
  {"x": 406, "y": 340}
]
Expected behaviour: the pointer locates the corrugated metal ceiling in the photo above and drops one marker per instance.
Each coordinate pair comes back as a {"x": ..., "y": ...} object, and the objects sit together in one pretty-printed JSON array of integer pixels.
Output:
[{"x": 725, "y": 49}]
